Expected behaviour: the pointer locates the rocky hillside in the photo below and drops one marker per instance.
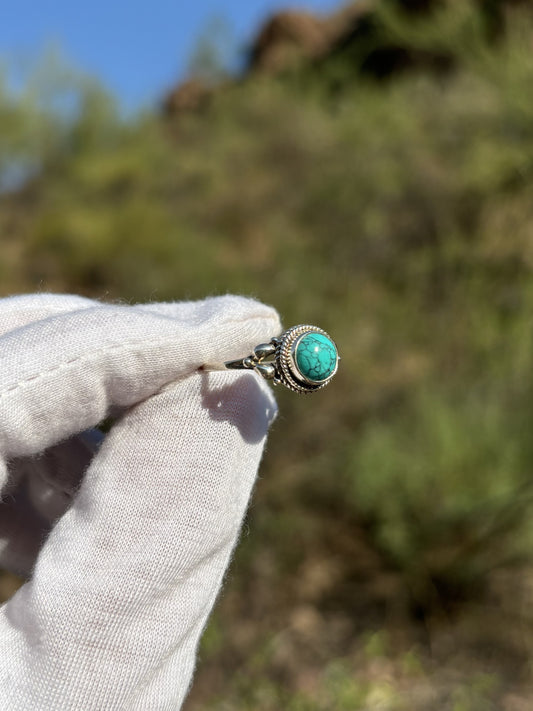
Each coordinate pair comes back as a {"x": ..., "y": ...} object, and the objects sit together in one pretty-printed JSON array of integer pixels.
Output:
[{"x": 356, "y": 37}]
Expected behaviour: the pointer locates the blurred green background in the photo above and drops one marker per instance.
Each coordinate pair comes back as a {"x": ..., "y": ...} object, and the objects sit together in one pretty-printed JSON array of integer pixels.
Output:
[{"x": 370, "y": 172}]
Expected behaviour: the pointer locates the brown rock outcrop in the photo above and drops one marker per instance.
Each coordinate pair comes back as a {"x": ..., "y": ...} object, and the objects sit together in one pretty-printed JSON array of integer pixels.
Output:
[
  {"x": 353, "y": 33},
  {"x": 288, "y": 37},
  {"x": 190, "y": 96}
]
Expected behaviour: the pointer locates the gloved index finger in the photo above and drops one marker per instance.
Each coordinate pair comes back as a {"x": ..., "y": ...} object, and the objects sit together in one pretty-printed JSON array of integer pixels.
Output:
[
  {"x": 126, "y": 579},
  {"x": 20, "y": 310},
  {"x": 61, "y": 375}
]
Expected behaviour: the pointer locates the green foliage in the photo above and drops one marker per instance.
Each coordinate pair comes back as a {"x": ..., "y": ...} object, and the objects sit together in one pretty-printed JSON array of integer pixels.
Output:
[
  {"x": 370, "y": 681},
  {"x": 447, "y": 485},
  {"x": 213, "y": 57}
]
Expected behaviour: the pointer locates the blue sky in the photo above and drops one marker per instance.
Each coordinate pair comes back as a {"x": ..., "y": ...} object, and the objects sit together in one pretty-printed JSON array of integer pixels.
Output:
[{"x": 138, "y": 49}]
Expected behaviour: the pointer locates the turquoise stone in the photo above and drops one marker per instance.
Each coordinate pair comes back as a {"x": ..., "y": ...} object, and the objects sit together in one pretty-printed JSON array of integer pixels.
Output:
[{"x": 315, "y": 357}]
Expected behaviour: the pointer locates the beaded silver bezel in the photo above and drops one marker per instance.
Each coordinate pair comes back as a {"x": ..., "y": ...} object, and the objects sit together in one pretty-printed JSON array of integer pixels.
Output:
[{"x": 288, "y": 371}]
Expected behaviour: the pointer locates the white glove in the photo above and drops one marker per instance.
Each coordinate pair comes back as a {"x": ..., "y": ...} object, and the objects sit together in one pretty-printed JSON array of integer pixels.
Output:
[{"x": 126, "y": 547}]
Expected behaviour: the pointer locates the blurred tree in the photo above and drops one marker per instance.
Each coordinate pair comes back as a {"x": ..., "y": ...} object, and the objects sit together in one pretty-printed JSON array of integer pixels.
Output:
[{"x": 215, "y": 56}]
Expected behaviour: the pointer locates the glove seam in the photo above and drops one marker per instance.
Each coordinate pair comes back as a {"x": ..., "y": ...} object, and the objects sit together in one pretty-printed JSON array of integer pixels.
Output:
[
  {"x": 84, "y": 356},
  {"x": 87, "y": 356}
]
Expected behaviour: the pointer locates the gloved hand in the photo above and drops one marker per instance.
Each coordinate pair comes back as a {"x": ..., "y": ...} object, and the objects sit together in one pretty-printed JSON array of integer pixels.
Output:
[{"x": 125, "y": 543}]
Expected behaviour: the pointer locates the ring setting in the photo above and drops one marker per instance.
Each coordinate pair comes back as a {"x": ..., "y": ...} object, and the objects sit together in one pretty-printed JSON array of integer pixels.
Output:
[{"x": 304, "y": 358}]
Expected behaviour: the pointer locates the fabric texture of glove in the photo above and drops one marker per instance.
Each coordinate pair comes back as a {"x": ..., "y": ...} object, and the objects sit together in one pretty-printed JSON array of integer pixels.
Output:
[{"x": 124, "y": 541}]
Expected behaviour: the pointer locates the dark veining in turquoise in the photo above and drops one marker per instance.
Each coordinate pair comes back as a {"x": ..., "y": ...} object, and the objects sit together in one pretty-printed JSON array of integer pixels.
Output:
[{"x": 316, "y": 357}]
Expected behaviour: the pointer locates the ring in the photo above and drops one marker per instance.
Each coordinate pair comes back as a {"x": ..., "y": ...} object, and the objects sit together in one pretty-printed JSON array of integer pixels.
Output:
[{"x": 304, "y": 359}]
